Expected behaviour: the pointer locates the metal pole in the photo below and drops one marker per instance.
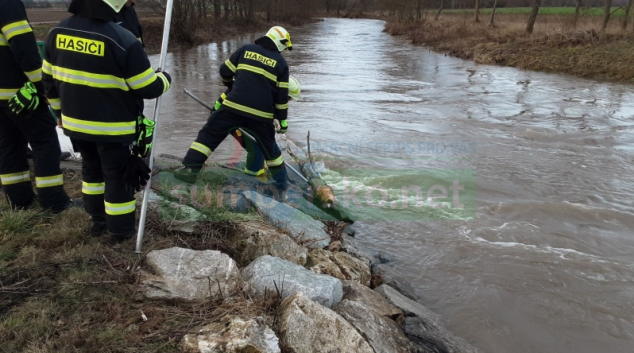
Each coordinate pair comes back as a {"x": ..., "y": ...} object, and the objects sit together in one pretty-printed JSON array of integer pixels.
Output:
[
  {"x": 187, "y": 92},
  {"x": 157, "y": 110}
]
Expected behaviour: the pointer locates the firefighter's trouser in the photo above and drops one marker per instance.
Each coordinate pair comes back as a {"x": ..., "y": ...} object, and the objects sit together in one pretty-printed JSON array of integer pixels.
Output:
[
  {"x": 38, "y": 130},
  {"x": 223, "y": 122},
  {"x": 103, "y": 188}
]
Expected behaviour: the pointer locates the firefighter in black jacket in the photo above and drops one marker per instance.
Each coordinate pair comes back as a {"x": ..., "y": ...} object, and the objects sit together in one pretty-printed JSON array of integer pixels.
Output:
[
  {"x": 94, "y": 71},
  {"x": 25, "y": 118},
  {"x": 258, "y": 77},
  {"x": 129, "y": 20}
]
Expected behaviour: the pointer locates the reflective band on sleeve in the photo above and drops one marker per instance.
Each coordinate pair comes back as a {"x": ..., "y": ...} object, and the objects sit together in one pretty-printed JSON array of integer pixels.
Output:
[
  {"x": 258, "y": 70},
  {"x": 246, "y": 109},
  {"x": 3, "y": 41},
  {"x": 275, "y": 162},
  {"x": 15, "y": 178},
  {"x": 141, "y": 80},
  {"x": 117, "y": 209},
  {"x": 166, "y": 83},
  {"x": 93, "y": 188},
  {"x": 7, "y": 93},
  {"x": 282, "y": 84},
  {"x": 230, "y": 65},
  {"x": 35, "y": 75},
  {"x": 55, "y": 103},
  {"x": 281, "y": 106},
  {"x": 84, "y": 78},
  {"x": 16, "y": 28},
  {"x": 99, "y": 128},
  {"x": 223, "y": 96},
  {"x": 47, "y": 182},
  {"x": 259, "y": 172},
  {"x": 201, "y": 148}
]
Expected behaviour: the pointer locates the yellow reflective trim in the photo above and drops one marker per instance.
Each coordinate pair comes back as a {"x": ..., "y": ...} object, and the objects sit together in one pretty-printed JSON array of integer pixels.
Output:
[
  {"x": 35, "y": 75},
  {"x": 258, "y": 70},
  {"x": 99, "y": 128},
  {"x": 93, "y": 188},
  {"x": 259, "y": 172},
  {"x": 201, "y": 148},
  {"x": 117, "y": 209},
  {"x": 84, "y": 78},
  {"x": 141, "y": 80},
  {"x": 246, "y": 109},
  {"x": 3, "y": 41},
  {"x": 281, "y": 106},
  {"x": 16, "y": 28},
  {"x": 223, "y": 96},
  {"x": 15, "y": 178},
  {"x": 166, "y": 83},
  {"x": 230, "y": 65},
  {"x": 8, "y": 93},
  {"x": 282, "y": 84},
  {"x": 275, "y": 162},
  {"x": 46, "y": 182},
  {"x": 55, "y": 103}
]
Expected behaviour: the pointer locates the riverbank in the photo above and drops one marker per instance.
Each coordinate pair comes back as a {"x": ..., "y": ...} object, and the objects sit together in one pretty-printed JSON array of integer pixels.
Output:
[{"x": 555, "y": 46}]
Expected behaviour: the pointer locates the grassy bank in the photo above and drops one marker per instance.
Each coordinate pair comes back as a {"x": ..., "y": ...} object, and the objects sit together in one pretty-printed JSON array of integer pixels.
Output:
[
  {"x": 585, "y": 11},
  {"x": 555, "y": 45}
]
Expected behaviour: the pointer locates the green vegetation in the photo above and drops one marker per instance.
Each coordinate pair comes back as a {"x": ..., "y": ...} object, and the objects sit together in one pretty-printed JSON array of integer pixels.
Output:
[{"x": 589, "y": 11}]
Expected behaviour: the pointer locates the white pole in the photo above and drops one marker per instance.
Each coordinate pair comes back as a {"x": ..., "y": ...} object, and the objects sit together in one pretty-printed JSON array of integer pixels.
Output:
[{"x": 157, "y": 110}]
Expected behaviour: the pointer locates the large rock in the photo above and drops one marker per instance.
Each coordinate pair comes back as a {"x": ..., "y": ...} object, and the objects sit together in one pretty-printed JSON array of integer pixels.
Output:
[
  {"x": 304, "y": 229},
  {"x": 431, "y": 338},
  {"x": 408, "y": 306},
  {"x": 383, "y": 334},
  {"x": 351, "y": 246},
  {"x": 353, "y": 291},
  {"x": 190, "y": 275},
  {"x": 383, "y": 273},
  {"x": 234, "y": 336},
  {"x": 307, "y": 327},
  {"x": 339, "y": 264},
  {"x": 258, "y": 239},
  {"x": 266, "y": 275}
]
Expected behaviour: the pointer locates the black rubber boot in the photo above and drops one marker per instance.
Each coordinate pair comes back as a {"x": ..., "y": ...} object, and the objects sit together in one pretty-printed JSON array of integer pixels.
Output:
[{"x": 98, "y": 227}]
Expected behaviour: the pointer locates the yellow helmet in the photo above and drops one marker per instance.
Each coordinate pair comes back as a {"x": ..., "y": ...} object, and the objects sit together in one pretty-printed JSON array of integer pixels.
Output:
[
  {"x": 280, "y": 37},
  {"x": 293, "y": 88},
  {"x": 116, "y": 5}
]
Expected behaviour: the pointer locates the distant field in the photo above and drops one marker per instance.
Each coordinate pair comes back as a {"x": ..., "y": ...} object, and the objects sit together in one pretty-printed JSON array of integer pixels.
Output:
[{"x": 591, "y": 11}]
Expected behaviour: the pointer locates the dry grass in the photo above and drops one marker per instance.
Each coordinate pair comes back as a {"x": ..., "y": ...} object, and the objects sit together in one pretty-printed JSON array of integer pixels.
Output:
[{"x": 555, "y": 46}]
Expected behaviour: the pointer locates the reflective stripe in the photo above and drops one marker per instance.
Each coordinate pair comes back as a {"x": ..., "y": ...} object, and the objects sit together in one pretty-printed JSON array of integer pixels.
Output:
[
  {"x": 3, "y": 40},
  {"x": 275, "y": 162},
  {"x": 99, "y": 128},
  {"x": 166, "y": 83},
  {"x": 282, "y": 84},
  {"x": 281, "y": 106},
  {"x": 201, "y": 148},
  {"x": 84, "y": 78},
  {"x": 230, "y": 65},
  {"x": 258, "y": 70},
  {"x": 223, "y": 96},
  {"x": 8, "y": 93},
  {"x": 141, "y": 80},
  {"x": 15, "y": 178},
  {"x": 93, "y": 188},
  {"x": 46, "y": 182},
  {"x": 16, "y": 28},
  {"x": 259, "y": 172},
  {"x": 55, "y": 103},
  {"x": 116, "y": 209},
  {"x": 246, "y": 109},
  {"x": 35, "y": 75}
]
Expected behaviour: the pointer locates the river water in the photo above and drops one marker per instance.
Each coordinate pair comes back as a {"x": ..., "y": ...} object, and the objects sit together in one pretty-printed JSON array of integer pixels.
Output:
[{"x": 539, "y": 258}]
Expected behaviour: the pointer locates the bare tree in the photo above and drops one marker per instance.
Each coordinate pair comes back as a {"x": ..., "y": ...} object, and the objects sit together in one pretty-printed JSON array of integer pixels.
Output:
[
  {"x": 495, "y": 5},
  {"x": 606, "y": 16},
  {"x": 477, "y": 11},
  {"x": 533, "y": 16},
  {"x": 626, "y": 16},
  {"x": 442, "y": 2},
  {"x": 576, "y": 18}
]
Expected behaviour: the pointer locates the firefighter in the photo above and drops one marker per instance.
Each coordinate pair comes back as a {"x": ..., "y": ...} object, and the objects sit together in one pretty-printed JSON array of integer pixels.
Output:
[
  {"x": 255, "y": 159},
  {"x": 258, "y": 77},
  {"x": 94, "y": 71},
  {"x": 25, "y": 118},
  {"x": 128, "y": 19}
]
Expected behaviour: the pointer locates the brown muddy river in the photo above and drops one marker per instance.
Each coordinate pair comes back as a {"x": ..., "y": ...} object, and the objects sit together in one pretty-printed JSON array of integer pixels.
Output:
[{"x": 542, "y": 259}]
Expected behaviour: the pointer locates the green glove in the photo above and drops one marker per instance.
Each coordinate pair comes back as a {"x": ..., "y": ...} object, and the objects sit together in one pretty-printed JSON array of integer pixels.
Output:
[
  {"x": 25, "y": 101},
  {"x": 283, "y": 127},
  {"x": 145, "y": 136}
]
